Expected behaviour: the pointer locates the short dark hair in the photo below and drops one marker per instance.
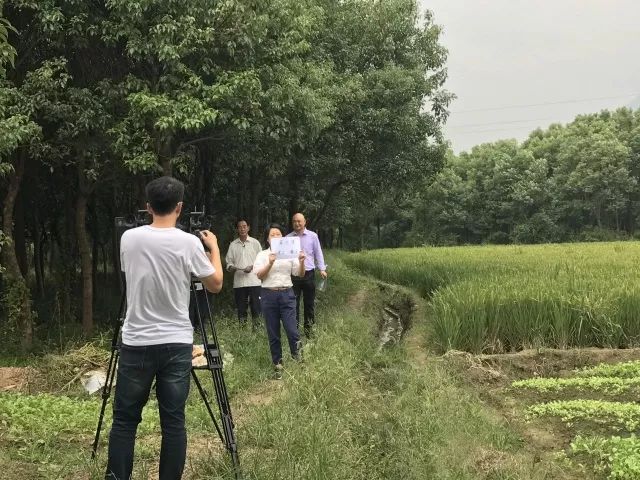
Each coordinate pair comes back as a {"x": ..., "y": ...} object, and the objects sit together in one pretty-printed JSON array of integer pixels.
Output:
[
  {"x": 242, "y": 220},
  {"x": 269, "y": 227},
  {"x": 164, "y": 194}
]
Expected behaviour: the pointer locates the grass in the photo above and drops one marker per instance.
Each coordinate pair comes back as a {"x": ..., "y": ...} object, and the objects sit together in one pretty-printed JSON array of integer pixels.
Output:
[
  {"x": 507, "y": 298},
  {"x": 351, "y": 411}
]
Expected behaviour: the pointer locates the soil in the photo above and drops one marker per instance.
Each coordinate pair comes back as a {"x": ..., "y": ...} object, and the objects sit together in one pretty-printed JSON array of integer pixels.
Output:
[
  {"x": 15, "y": 379},
  {"x": 490, "y": 376}
]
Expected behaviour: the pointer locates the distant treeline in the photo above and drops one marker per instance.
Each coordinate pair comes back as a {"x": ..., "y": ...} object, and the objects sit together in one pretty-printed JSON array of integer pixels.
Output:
[{"x": 578, "y": 182}]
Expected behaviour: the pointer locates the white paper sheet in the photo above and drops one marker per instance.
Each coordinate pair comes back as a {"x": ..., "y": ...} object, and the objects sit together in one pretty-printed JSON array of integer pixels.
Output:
[{"x": 285, "y": 247}]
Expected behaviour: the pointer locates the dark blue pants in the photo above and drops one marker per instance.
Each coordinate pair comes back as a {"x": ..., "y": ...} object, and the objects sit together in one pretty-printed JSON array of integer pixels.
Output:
[
  {"x": 170, "y": 365},
  {"x": 305, "y": 287},
  {"x": 280, "y": 306}
]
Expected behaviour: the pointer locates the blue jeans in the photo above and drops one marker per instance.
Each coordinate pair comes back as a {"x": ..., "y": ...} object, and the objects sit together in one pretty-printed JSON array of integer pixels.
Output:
[
  {"x": 170, "y": 365},
  {"x": 277, "y": 306}
]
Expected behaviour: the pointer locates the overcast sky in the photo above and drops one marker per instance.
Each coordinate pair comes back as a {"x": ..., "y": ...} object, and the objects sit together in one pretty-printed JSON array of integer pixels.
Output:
[{"x": 507, "y": 54}]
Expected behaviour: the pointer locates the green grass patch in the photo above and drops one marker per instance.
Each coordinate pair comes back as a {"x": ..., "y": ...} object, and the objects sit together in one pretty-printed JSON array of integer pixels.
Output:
[{"x": 352, "y": 410}]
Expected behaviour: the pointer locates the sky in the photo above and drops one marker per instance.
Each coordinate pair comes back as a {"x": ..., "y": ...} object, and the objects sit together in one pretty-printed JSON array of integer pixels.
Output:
[{"x": 516, "y": 65}]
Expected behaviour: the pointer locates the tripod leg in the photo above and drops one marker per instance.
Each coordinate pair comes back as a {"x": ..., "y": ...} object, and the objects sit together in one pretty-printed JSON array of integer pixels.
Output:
[
  {"x": 214, "y": 365},
  {"x": 111, "y": 372},
  {"x": 106, "y": 393},
  {"x": 203, "y": 394}
]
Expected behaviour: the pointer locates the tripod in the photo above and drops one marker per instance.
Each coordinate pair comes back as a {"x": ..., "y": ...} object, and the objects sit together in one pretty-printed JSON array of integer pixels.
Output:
[{"x": 199, "y": 309}]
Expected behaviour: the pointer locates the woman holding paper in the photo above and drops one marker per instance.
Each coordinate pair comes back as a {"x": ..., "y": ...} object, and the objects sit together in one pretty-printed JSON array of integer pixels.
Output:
[{"x": 274, "y": 267}]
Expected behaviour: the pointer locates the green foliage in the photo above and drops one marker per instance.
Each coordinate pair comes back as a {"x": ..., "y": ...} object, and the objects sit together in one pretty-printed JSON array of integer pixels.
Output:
[
  {"x": 616, "y": 457},
  {"x": 15, "y": 296},
  {"x": 562, "y": 184}
]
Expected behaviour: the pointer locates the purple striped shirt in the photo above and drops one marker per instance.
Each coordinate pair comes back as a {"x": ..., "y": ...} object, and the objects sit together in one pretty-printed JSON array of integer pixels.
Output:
[{"x": 310, "y": 244}]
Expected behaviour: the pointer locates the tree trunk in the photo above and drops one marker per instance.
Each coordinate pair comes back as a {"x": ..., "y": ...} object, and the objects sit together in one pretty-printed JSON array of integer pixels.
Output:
[
  {"x": 332, "y": 192},
  {"x": 94, "y": 263},
  {"x": 164, "y": 156},
  {"x": 86, "y": 263},
  {"x": 295, "y": 178},
  {"x": 19, "y": 238},
  {"x": 254, "y": 189},
  {"x": 84, "y": 248},
  {"x": 207, "y": 186},
  {"x": 37, "y": 258},
  {"x": 15, "y": 282},
  {"x": 104, "y": 262}
]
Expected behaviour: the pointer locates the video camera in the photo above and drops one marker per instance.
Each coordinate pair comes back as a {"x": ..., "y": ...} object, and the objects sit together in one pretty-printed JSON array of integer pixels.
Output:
[
  {"x": 196, "y": 222},
  {"x": 137, "y": 219}
]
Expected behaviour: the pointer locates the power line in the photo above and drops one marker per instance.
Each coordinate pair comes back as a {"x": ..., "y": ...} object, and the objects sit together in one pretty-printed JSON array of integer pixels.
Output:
[
  {"x": 508, "y": 107},
  {"x": 511, "y": 129},
  {"x": 501, "y": 123}
]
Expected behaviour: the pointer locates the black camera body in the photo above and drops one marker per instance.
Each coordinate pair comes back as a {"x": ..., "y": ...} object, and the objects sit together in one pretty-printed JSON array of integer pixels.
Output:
[{"x": 196, "y": 222}]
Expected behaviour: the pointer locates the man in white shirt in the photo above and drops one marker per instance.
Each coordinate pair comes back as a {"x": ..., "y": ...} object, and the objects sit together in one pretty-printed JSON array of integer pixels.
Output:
[
  {"x": 157, "y": 337},
  {"x": 246, "y": 285}
]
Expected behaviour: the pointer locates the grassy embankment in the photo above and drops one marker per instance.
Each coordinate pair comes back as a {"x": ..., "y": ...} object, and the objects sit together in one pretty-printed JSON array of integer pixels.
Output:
[{"x": 351, "y": 411}]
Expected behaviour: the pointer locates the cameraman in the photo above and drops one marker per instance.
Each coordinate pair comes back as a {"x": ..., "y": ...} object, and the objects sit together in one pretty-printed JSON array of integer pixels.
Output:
[{"x": 157, "y": 335}]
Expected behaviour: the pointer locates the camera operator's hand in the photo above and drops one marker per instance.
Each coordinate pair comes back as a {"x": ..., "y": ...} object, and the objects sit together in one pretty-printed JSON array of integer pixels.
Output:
[{"x": 209, "y": 239}]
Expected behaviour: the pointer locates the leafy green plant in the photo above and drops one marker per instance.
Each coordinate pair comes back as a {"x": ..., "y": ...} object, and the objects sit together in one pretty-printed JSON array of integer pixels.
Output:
[
  {"x": 630, "y": 369},
  {"x": 617, "y": 415},
  {"x": 604, "y": 385},
  {"x": 616, "y": 457}
]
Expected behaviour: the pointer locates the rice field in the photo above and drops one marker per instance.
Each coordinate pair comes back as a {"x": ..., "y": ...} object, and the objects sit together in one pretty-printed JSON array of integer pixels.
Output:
[{"x": 493, "y": 299}]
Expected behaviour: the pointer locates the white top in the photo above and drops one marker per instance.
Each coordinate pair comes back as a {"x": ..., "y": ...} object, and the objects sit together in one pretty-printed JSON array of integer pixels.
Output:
[
  {"x": 158, "y": 263},
  {"x": 280, "y": 274},
  {"x": 241, "y": 255}
]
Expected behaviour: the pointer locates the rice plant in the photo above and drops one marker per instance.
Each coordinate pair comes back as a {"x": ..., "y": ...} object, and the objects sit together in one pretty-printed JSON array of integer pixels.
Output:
[{"x": 507, "y": 298}]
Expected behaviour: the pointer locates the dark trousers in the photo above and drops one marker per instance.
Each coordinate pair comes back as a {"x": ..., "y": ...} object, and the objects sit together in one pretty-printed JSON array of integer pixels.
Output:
[
  {"x": 170, "y": 365},
  {"x": 280, "y": 306},
  {"x": 305, "y": 287},
  {"x": 247, "y": 296}
]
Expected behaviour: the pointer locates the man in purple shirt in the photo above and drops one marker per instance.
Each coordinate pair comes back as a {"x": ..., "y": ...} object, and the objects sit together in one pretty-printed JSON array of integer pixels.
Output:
[{"x": 306, "y": 286}]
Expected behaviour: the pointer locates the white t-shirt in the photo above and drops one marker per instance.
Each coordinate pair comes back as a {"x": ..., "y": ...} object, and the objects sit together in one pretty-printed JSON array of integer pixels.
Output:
[
  {"x": 280, "y": 274},
  {"x": 158, "y": 263}
]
